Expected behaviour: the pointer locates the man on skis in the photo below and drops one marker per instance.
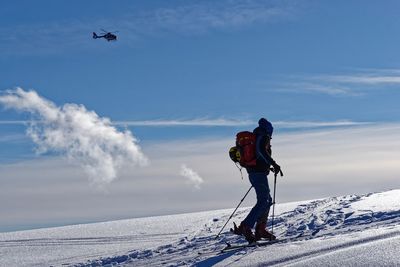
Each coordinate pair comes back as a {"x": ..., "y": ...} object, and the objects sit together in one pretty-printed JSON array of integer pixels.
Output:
[{"x": 258, "y": 179}]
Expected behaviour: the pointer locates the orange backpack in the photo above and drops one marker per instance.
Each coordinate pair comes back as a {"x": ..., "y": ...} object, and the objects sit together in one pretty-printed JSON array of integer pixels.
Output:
[{"x": 244, "y": 152}]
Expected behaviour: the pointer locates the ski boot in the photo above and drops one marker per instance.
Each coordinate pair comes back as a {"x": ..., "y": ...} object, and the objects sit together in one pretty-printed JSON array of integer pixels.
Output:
[
  {"x": 262, "y": 232},
  {"x": 245, "y": 231}
]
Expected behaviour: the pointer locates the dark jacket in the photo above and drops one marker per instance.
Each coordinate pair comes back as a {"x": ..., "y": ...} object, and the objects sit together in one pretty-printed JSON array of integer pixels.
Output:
[{"x": 264, "y": 160}]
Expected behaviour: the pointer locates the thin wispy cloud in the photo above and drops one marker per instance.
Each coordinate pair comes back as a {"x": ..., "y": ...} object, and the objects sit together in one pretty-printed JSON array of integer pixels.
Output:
[
  {"x": 364, "y": 153},
  {"x": 308, "y": 87},
  {"x": 36, "y": 38},
  {"x": 187, "y": 19},
  {"x": 316, "y": 124},
  {"x": 218, "y": 15},
  {"x": 191, "y": 122},
  {"x": 217, "y": 123},
  {"x": 365, "y": 79},
  {"x": 13, "y": 122},
  {"x": 238, "y": 123},
  {"x": 352, "y": 84},
  {"x": 12, "y": 138},
  {"x": 193, "y": 177},
  {"x": 82, "y": 135}
]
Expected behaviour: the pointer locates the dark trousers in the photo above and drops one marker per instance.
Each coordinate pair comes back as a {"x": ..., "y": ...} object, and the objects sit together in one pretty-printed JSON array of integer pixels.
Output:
[{"x": 259, "y": 213}]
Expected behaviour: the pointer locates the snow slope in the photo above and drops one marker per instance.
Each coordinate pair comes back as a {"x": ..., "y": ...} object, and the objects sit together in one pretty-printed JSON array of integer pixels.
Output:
[{"x": 339, "y": 231}]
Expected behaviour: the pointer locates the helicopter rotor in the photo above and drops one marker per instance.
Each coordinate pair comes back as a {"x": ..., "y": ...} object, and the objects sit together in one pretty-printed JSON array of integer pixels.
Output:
[{"x": 105, "y": 32}]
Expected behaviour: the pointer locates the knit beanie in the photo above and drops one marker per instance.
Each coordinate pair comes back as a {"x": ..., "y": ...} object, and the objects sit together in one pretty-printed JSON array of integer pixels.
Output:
[{"x": 264, "y": 123}]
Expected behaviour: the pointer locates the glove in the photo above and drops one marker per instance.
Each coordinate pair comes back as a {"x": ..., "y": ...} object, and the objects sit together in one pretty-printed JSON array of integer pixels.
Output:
[{"x": 277, "y": 169}]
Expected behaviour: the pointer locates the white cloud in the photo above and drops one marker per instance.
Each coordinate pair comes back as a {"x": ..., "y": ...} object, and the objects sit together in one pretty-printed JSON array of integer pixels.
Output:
[
  {"x": 192, "y": 176},
  {"x": 82, "y": 135}
]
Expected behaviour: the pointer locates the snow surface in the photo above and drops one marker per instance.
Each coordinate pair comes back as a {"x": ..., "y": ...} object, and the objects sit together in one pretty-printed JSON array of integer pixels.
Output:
[{"x": 338, "y": 231}]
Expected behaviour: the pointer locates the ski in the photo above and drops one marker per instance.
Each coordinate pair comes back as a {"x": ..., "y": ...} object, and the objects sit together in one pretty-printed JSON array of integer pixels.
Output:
[{"x": 230, "y": 247}]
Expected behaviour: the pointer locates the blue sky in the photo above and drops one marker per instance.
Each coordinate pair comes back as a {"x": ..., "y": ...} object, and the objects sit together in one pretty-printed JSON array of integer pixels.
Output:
[
  {"x": 163, "y": 64},
  {"x": 214, "y": 66}
]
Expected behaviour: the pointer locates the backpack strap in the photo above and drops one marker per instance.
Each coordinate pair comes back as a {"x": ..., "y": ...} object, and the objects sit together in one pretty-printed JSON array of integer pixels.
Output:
[{"x": 260, "y": 150}]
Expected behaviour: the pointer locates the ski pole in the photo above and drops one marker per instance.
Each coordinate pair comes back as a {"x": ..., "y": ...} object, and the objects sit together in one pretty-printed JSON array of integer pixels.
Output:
[
  {"x": 234, "y": 211},
  {"x": 273, "y": 201}
]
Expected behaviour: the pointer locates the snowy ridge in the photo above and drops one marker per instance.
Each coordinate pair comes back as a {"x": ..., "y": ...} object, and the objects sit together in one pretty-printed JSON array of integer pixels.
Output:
[{"x": 312, "y": 232}]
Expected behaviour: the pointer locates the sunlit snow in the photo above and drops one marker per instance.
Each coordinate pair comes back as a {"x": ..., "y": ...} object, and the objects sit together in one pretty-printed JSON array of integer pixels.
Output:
[{"x": 338, "y": 231}]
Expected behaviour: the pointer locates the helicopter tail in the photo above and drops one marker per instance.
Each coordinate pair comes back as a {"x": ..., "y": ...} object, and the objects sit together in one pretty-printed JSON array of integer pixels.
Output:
[{"x": 95, "y": 35}]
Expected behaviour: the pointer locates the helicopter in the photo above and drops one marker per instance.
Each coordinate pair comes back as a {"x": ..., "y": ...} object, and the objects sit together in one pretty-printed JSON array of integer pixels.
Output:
[{"x": 109, "y": 36}]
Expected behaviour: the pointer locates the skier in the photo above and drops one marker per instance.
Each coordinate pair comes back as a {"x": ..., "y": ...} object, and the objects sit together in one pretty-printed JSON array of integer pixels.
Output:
[{"x": 258, "y": 179}]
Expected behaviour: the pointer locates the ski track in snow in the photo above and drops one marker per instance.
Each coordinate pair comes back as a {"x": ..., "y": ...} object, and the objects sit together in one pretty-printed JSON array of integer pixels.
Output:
[
  {"x": 323, "y": 251},
  {"x": 320, "y": 218},
  {"x": 312, "y": 230}
]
